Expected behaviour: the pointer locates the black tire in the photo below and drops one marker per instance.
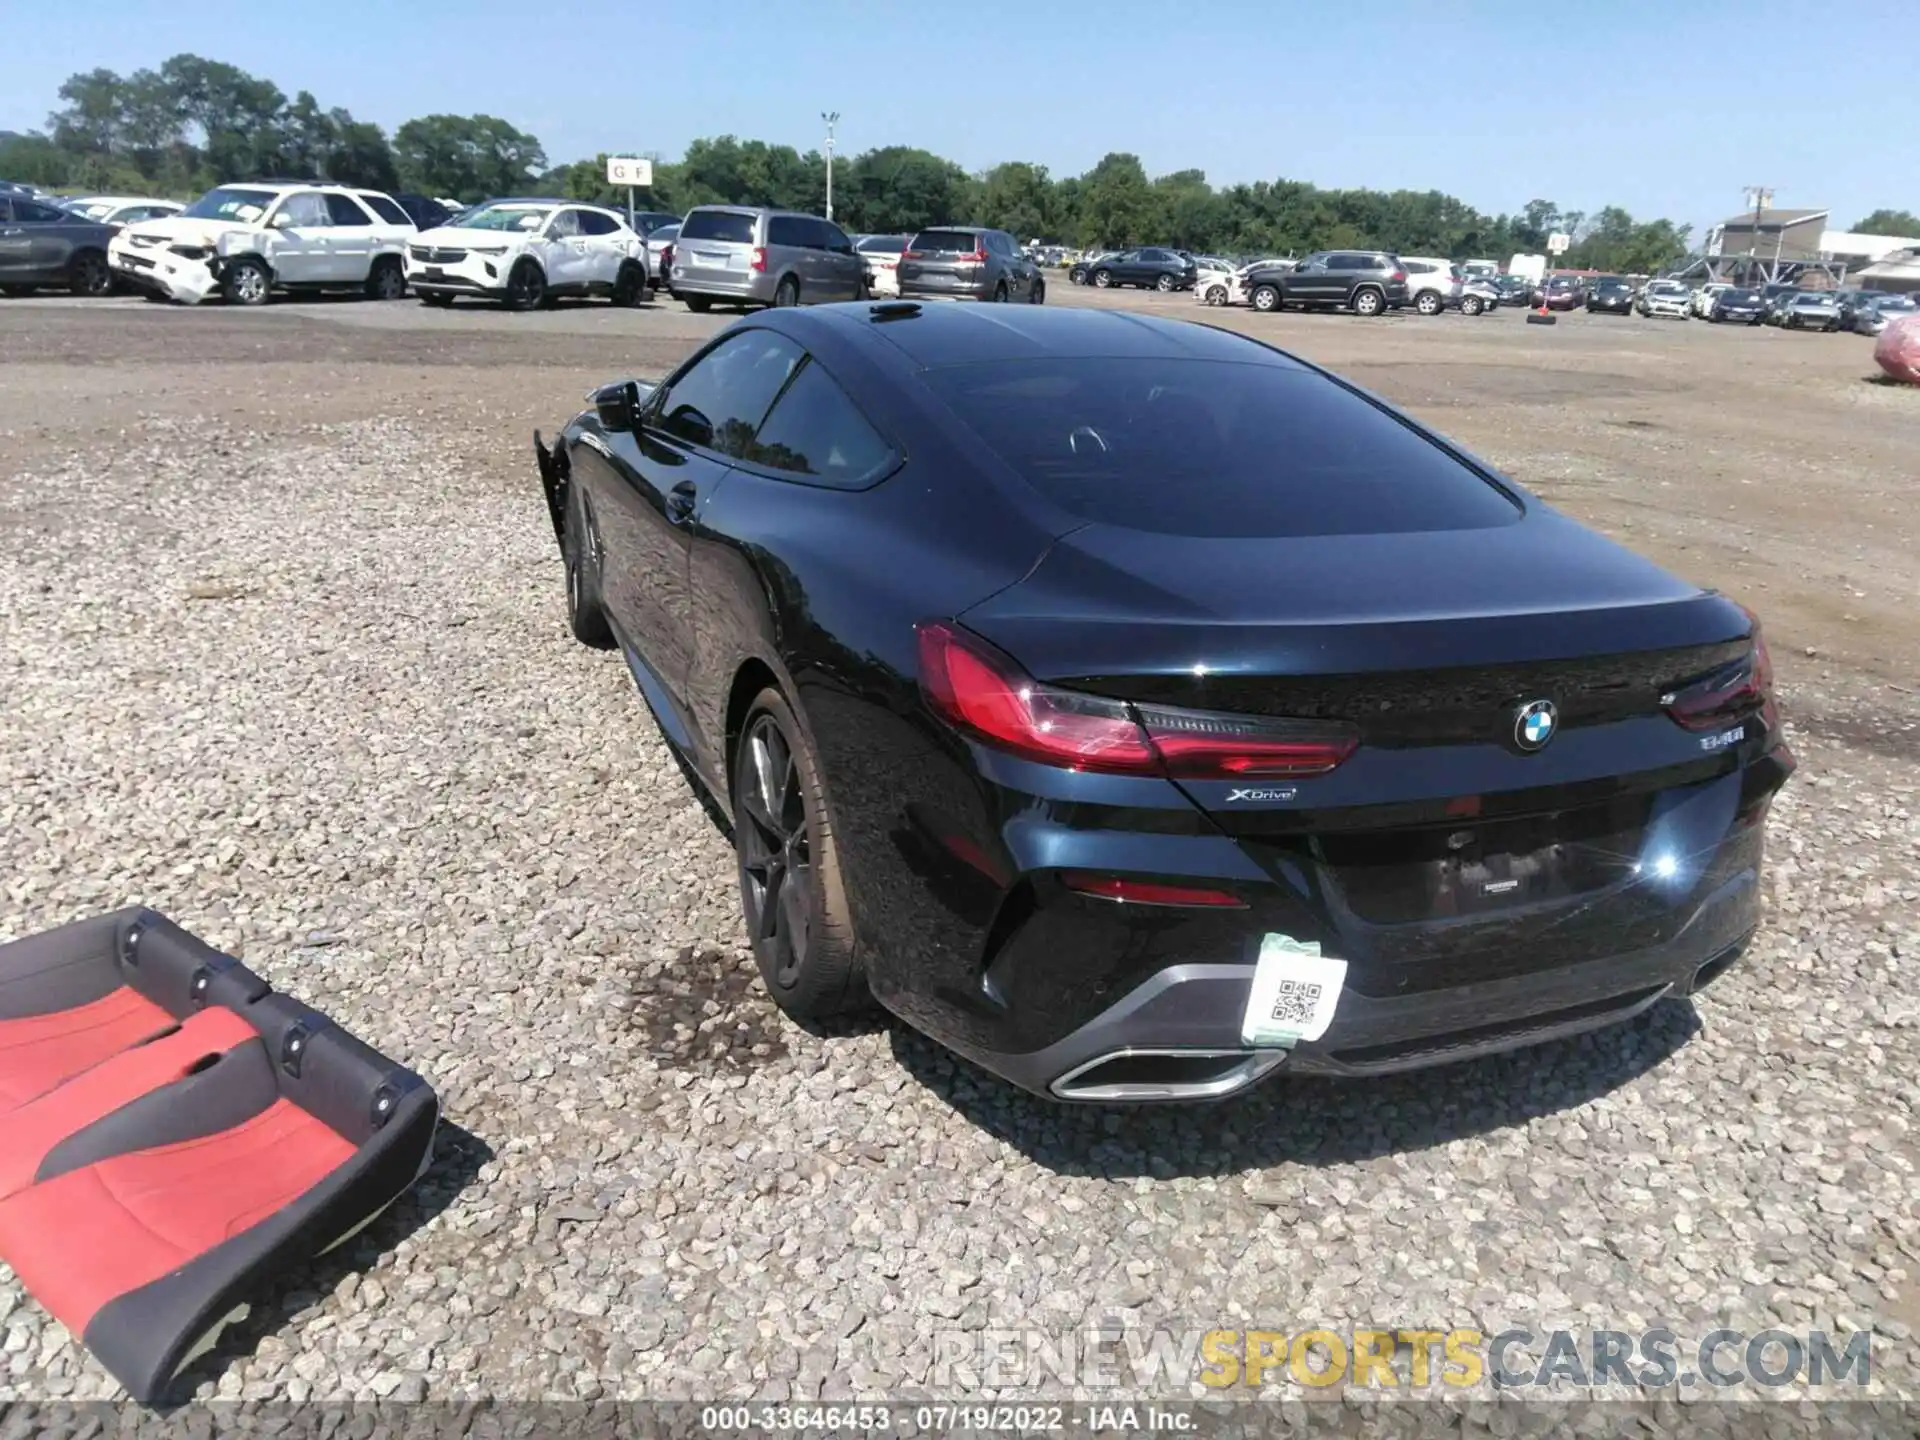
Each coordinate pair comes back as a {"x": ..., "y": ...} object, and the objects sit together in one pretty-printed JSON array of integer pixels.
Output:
[
  {"x": 1164, "y": 284},
  {"x": 787, "y": 292},
  {"x": 1368, "y": 301},
  {"x": 88, "y": 274},
  {"x": 1471, "y": 305},
  {"x": 387, "y": 280},
  {"x": 444, "y": 301},
  {"x": 630, "y": 285},
  {"x": 526, "y": 286},
  {"x": 246, "y": 282},
  {"x": 698, "y": 304},
  {"x": 586, "y": 614},
  {"x": 1266, "y": 298},
  {"x": 1000, "y": 293},
  {"x": 1038, "y": 294},
  {"x": 1427, "y": 303},
  {"x": 791, "y": 895},
  {"x": 1103, "y": 279}
]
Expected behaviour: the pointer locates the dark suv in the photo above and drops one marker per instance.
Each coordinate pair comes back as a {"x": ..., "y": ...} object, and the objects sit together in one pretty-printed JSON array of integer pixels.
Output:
[
  {"x": 969, "y": 263},
  {"x": 1148, "y": 267},
  {"x": 1367, "y": 282}
]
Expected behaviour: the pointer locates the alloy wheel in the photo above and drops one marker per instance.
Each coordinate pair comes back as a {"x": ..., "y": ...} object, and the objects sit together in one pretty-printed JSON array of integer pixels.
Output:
[{"x": 775, "y": 844}]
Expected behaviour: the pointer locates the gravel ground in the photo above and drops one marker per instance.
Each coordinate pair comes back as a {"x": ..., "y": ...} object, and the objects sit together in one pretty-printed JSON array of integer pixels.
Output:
[{"x": 282, "y": 654}]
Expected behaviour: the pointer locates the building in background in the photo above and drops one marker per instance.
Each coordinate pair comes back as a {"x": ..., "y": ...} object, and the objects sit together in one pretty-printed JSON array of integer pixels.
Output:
[{"x": 1775, "y": 235}]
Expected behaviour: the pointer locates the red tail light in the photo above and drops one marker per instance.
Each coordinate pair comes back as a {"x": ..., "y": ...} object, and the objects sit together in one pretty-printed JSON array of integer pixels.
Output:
[
  {"x": 984, "y": 694},
  {"x": 1399, "y": 275},
  {"x": 759, "y": 261},
  {"x": 1730, "y": 694},
  {"x": 911, "y": 255},
  {"x": 1148, "y": 892},
  {"x": 978, "y": 255},
  {"x": 666, "y": 258}
]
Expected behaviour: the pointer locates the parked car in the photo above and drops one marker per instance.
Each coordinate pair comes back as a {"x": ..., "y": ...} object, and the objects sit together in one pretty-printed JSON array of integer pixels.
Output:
[
  {"x": 1563, "y": 292},
  {"x": 745, "y": 255},
  {"x": 1229, "y": 287},
  {"x": 1517, "y": 290},
  {"x": 1870, "y": 317},
  {"x": 1810, "y": 310},
  {"x": 1367, "y": 282},
  {"x": 1735, "y": 304},
  {"x": 247, "y": 241},
  {"x": 528, "y": 252},
  {"x": 1703, "y": 297},
  {"x": 646, "y": 222},
  {"x": 426, "y": 212},
  {"x": 1671, "y": 298},
  {"x": 1149, "y": 268},
  {"x": 1432, "y": 285},
  {"x": 1610, "y": 295},
  {"x": 881, "y": 255},
  {"x": 1849, "y": 303},
  {"x": 41, "y": 244},
  {"x": 120, "y": 209},
  {"x": 660, "y": 254},
  {"x": 1089, "y": 745},
  {"x": 1081, "y": 271},
  {"x": 968, "y": 262},
  {"x": 1478, "y": 294}
]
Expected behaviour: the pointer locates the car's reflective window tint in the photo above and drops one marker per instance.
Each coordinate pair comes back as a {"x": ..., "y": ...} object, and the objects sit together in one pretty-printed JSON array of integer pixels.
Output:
[
  {"x": 721, "y": 399},
  {"x": 718, "y": 225},
  {"x": 342, "y": 211},
  {"x": 596, "y": 222},
  {"x": 814, "y": 430},
  {"x": 790, "y": 230},
  {"x": 1200, "y": 447},
  {"x": 946, "y": 242},
  {"x": 386, "y": 209}
]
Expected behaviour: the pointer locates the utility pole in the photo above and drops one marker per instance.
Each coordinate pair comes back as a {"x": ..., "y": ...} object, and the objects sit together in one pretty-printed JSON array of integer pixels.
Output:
[
  {"x": 1760, "y": 197},
  {"x": 832, "y": 117}
]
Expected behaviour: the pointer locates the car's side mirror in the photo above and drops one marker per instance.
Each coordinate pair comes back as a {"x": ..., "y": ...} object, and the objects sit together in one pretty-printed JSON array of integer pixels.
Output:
[{"x": 618, "y": 405}]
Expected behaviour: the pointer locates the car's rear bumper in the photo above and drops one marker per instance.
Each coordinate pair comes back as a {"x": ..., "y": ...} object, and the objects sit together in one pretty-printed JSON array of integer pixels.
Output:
[
  {"x": 749, "y": 287},
  {"x": 1088, "y": 999}
]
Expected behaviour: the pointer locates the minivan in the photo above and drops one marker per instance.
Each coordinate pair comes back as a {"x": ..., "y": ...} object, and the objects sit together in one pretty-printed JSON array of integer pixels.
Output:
[{"x": 749, "y": 256}]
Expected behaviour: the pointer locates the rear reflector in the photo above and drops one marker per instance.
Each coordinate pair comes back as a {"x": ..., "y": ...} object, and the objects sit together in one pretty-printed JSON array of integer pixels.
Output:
[
  {"x": 1148, "y": 892},
  {"x": 759, "y": 261},
  {"x": 985, "y": 694}
]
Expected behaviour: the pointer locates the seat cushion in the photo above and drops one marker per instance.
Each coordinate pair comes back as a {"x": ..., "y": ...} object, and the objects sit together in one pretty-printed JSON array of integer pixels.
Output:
[
  {"x": 81, "y": 1239},
  {"x": 38, "y": 1052},
  {"x": 32, "y": 1131}
]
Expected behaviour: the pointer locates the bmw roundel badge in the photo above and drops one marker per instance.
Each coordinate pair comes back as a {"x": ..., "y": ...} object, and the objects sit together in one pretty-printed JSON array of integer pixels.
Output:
[{"x": 1534, "y": 724}]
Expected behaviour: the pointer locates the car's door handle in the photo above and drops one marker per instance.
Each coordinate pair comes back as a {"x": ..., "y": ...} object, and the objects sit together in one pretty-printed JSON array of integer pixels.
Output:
[{"x": 681, "y": 500}]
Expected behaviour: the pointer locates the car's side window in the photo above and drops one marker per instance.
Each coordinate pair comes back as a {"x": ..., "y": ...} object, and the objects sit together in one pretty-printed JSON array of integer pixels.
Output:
[
  {"x": 719, "y": 400},
  {"x": 304, "y": 211},
  {"x": 594, "y": 222},
  {"x": 341, "y": 210},
  {"x": 834, "y": 238},
  {"x": 386, "y": 209},
  {"x": 565, "y": 225},
  {"x": 816, "y": 433},
  {"x": 34, "y": 211},
  {"x": 6, "y": 209}
]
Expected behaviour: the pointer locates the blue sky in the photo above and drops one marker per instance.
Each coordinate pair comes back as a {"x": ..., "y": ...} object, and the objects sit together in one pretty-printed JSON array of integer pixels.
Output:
[{"x": 1664, "y": 106}]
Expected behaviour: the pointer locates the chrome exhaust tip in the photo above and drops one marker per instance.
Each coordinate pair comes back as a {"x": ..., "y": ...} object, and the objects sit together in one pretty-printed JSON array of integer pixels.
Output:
[{"x": 1130, "y": 1075}]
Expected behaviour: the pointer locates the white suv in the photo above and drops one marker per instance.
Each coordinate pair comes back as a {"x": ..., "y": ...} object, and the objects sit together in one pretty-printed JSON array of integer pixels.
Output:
[
  {"x": 525, "y": 252},
  {"x": 246, "y": 241},
  {"x": 1433, "y": 285}
]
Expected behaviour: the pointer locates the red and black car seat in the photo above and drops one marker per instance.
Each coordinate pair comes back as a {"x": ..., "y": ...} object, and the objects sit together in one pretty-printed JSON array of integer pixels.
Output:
[{"x": 173, "y": 1135}]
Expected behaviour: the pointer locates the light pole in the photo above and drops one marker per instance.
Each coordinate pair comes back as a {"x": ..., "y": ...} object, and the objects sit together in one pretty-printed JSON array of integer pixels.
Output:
[{"x": 832, "y": 117}]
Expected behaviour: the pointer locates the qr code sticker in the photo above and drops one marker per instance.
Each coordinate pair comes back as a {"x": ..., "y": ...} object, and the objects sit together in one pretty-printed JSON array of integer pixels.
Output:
[{"x": 1295, "y": 1002}]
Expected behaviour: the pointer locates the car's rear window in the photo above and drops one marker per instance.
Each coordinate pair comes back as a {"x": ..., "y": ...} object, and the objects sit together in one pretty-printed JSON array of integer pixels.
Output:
[
  {"x": 950, "y": 242},
  {"x": 1202, "y": 447},
  {"x": 882, "y": 244},
  {"x": 718, "y": 225}
]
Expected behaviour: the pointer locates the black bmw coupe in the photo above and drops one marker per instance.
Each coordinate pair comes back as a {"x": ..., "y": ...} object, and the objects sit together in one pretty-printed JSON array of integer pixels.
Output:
[{"x": 1140, "y": 710}]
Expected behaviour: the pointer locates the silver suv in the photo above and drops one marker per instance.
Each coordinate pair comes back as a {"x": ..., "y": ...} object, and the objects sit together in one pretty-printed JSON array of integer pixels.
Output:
[
  {"x": 969, "y": 263},
  {"x": 747, "y": 256}
]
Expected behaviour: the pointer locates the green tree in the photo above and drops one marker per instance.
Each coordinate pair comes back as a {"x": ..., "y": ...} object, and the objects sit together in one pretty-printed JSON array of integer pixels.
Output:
[
  {"x": 1890, "y": 222},
  {"x": 1117, "y": 206},
  {"x": 1018, "y": 198},
  {"x": 467, "y": 156},
  {"x": 898, "y": 189}
]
